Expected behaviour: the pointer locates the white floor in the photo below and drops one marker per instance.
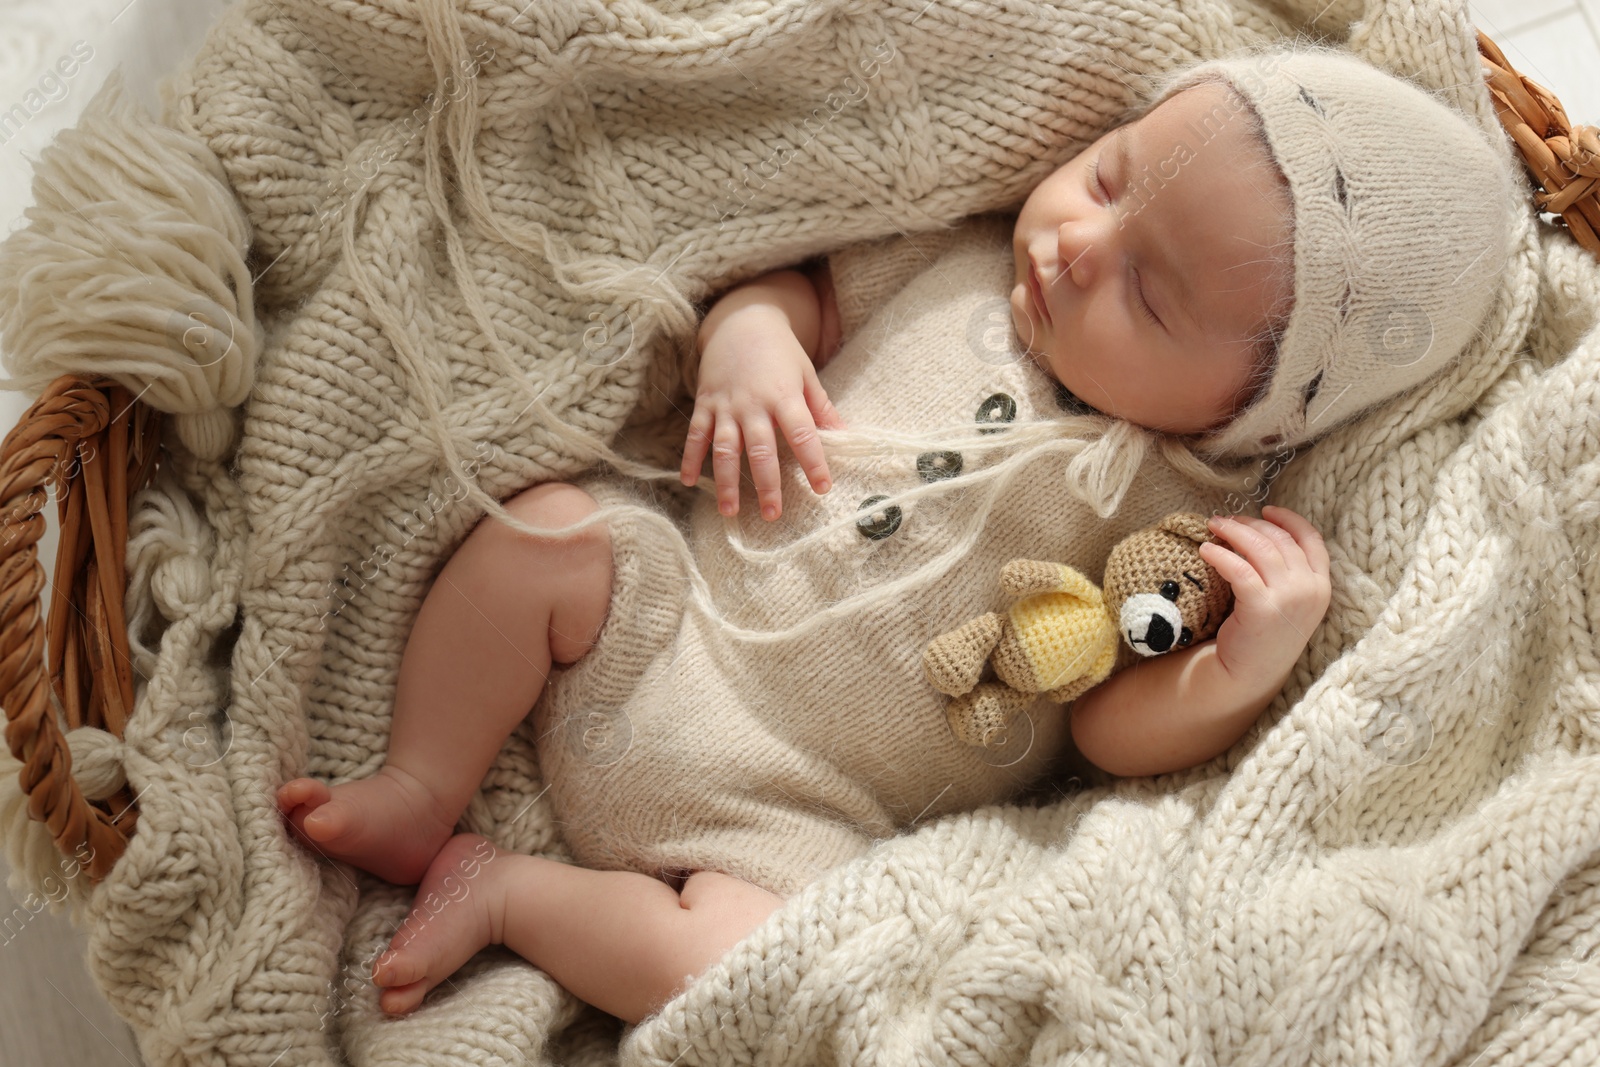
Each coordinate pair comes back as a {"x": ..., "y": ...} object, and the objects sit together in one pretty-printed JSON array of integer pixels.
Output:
[{"x": 50, "y": 1012}]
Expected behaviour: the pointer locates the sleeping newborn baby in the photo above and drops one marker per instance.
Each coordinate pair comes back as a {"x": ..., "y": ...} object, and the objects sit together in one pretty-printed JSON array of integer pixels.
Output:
[{"x": 1246, "y": 264}]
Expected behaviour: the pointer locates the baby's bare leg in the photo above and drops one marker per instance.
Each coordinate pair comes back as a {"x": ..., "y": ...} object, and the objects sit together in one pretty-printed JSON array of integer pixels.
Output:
[
  {"x": 621, "y": 941},
  {"x": 503, "y": 608}
]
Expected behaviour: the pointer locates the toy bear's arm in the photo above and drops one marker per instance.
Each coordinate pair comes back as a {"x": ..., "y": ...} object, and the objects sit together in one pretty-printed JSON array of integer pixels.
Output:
[
  {"x": 1028, "y": 577},
  {"x": 1168, "y": 713}
]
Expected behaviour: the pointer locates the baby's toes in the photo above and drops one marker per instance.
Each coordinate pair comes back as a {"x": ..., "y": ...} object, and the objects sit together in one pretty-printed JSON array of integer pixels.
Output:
[
  {"x": 302, "y": 791},
  {"x": 434, "y": 942},
  {"x": 397, "y": 967},
  {"x": 402, "y": 979},
  {"x": 402, "y": 999},
  {"x": 331, "y": 823}
]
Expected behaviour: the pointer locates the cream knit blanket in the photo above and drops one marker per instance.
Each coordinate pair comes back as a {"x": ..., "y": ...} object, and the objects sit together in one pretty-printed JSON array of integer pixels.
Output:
[{"x": 1397, "y": 865}]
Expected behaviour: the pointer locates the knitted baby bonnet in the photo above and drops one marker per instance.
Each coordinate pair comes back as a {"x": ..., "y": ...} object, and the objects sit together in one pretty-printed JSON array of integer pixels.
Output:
[{"x": 1403, "y": 220}]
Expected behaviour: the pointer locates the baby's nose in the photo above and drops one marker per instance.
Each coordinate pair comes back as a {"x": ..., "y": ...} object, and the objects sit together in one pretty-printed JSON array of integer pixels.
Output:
[{"x": 1081, "y": 249}]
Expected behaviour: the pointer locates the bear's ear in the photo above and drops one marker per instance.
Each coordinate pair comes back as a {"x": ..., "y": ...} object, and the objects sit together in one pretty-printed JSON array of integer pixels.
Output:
[{"x": 1186, "y": 524}]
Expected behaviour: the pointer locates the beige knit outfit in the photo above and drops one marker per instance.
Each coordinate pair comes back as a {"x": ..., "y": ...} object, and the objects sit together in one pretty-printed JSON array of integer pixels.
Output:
[{"x": 671, "y": 747}]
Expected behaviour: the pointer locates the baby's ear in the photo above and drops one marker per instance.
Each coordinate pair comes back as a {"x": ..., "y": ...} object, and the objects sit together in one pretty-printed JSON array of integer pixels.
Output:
[
  {"x": 1434, "y": 45},
  {"x": 1186, "y": 524}
]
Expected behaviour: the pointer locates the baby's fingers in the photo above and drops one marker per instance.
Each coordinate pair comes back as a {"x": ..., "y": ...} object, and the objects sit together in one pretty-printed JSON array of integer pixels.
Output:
[
  {"x": 1305, "y": 535},
  {"x": 1235, "y": 570},
  {"x": 827, "y": 415},
  {"x": 801, "y": 433},
  {"x": 1256, "y": 540},
  {"x": 725, "y": 449},
  {"x": 696, "y": 444},
  {"x": 762, "y": 446}
]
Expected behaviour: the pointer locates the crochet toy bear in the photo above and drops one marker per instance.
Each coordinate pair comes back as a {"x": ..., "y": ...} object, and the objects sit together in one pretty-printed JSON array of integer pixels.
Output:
[{"x": 1059, "y": 637}]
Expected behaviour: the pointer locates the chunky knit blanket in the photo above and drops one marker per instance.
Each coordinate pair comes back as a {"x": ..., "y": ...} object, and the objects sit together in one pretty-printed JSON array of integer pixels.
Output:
[{"x": 374, "y": 244}]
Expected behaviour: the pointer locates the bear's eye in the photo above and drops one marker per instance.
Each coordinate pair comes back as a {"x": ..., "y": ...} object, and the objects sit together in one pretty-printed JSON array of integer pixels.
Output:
[
  {"x": 1185, "y": 637},
  {"x": 1169, "y": 590}
]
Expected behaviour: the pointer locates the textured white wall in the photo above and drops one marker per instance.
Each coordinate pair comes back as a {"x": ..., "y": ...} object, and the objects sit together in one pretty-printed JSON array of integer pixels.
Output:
[{"x": 1554, "y": 42}]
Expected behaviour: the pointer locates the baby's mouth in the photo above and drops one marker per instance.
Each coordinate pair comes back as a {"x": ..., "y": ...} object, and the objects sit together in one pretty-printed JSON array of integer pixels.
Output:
[{"x": 1028, "y": 333}]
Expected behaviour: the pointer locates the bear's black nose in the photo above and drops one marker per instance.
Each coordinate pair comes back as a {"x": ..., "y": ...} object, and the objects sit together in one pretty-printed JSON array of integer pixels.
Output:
[{"x": 1158, "y": 635}]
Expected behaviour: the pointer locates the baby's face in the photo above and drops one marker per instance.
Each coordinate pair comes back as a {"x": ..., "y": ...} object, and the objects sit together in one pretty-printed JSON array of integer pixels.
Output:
[{"x": 1186, "y": 205}]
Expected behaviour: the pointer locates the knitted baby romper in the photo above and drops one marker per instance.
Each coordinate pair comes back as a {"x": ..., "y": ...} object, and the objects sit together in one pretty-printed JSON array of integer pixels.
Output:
[{"x": 670, "y": 747}]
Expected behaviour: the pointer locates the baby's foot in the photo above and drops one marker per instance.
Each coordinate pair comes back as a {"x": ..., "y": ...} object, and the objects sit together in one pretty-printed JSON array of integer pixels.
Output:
[
  {"x": 455, "y": 914},
  {"x": 389, "y": 824}
]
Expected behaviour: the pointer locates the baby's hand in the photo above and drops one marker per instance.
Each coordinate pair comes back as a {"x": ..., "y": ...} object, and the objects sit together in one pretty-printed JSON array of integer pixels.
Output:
[
  {"x": 1280, "y": 594},
  {"x": 752, "y": 373}
]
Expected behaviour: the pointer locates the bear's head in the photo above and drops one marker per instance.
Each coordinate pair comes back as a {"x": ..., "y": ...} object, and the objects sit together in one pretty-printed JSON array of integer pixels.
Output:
[{"x": 1163, "y": 592}]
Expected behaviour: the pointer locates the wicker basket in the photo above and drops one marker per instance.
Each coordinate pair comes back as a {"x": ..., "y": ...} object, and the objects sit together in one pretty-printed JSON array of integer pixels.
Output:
[{"x": 98, "y": 446}]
